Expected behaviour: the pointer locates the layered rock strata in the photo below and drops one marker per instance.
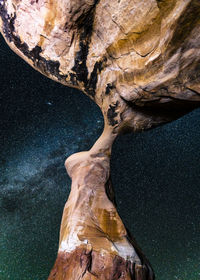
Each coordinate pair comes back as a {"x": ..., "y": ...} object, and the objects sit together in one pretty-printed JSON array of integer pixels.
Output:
[{"x": 140, "y": 62}]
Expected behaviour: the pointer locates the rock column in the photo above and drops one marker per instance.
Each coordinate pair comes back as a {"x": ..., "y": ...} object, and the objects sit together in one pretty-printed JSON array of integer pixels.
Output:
[{"x": 94, "y": 243}]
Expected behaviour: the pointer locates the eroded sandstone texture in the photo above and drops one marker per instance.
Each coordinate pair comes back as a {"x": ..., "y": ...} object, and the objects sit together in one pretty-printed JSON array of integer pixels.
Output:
[
  {"x": 94, "y": 244},
  {"x": 139, "y": 61}
]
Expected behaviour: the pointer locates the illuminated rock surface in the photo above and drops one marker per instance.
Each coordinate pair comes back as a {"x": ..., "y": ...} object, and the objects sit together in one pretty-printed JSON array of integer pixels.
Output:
[
  {"x": 94, "y": 243},
  {"x": 139, "y": 61},
  {"x": 136, "y": 59}
]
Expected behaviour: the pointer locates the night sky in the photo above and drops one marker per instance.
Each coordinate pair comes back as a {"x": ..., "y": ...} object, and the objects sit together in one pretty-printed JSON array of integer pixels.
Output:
[{"x": 156, "y": 176}]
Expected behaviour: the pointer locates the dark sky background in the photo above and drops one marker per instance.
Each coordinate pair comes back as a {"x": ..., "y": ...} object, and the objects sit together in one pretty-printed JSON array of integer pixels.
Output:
[{"x": 156, "y": 176}]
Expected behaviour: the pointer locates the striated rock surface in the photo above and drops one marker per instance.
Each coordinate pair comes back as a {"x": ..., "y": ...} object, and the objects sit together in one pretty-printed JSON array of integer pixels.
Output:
[{"x": 140, "y": 62}]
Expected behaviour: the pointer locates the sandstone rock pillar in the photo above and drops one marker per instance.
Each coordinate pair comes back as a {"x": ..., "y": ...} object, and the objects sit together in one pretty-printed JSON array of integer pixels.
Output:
[{"x": 94, "y": 243}]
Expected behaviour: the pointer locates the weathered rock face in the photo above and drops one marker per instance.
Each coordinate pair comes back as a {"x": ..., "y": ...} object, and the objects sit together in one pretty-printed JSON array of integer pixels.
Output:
[
  {"x": 139, "y": 60},
  {"x": 94, "y": 243}
]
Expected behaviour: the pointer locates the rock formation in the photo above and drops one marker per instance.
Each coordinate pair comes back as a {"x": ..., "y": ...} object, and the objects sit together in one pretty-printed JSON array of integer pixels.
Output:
[
  {"x": 139, "y": 61},
  {"x": 94, "y": 243}
]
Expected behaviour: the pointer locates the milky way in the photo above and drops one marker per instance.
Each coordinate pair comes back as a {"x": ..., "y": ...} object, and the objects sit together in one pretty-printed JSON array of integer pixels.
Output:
[{"x": 156, "y": 176}]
